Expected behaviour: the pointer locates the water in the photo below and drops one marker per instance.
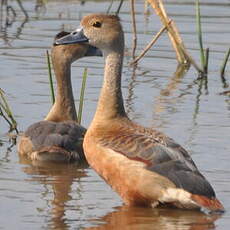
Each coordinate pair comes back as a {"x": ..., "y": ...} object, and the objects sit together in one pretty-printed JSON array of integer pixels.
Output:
[{"x": 68, "y": 197}]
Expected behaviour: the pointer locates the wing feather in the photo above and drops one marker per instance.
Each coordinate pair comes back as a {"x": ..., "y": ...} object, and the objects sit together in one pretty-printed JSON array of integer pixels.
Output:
[
  {"x": 161, "y": 154},
  {"x": 47, "y": 133}
]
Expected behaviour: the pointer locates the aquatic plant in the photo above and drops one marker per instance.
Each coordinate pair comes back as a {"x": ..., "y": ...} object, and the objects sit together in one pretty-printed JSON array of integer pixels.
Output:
[
  {"x": 50, "y": 77},
  {"x": 82, "y": 94},
  {"x": 183, "y": 57},
  {"x": 222, "y": 70},
  {"x": 6, "y": 113},
  {"x": 199, "y": 32}
]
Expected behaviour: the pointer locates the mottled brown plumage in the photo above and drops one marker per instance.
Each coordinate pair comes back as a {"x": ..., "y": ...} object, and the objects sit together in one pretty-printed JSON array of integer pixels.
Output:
[{"x": 143, "y": 165}]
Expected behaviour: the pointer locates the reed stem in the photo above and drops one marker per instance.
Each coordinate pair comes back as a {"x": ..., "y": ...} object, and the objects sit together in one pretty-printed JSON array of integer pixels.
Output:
[
  {"x": 132, "y": 2},
  {"x": 173, "y": 33},
  {"x": 109, "y": 8},
  {"x": 22, "y": 8},
  {"x": 50, "y": 77},
  {"x": 119, "y": 7},
  {"x": 222, "y": 70},
  {"x": 82, "y": 93},
  {"x": 150, "y": 44},
  {"x": 206, "y": 61},
  {"x": 5, "y": 109},
  {"x": 199, "y": 31}
]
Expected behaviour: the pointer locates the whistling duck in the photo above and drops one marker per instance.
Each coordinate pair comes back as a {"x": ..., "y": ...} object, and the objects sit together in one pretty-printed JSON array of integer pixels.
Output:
[
  {"x": 144, "y": 166},
  {"x": 59, "y": 137}
]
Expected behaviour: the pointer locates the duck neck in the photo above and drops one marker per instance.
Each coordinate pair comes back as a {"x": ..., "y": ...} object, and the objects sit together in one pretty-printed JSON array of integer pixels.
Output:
[
  {"x": 110, "y": 104},
  {"x": 64, "y": 107}
]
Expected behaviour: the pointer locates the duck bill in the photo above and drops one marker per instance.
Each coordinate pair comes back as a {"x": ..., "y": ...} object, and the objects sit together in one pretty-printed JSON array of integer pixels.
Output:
[{"x": 76, "y": 36}]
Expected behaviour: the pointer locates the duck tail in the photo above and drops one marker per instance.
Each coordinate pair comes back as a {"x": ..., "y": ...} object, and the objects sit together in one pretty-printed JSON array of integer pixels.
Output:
[{"x": 212, "y": 204}]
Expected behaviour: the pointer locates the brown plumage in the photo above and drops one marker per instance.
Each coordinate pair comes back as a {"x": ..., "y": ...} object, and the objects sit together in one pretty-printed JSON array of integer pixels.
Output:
[
  {"x": 59, "y": 137},
  {"x": 143, "y": 165}
]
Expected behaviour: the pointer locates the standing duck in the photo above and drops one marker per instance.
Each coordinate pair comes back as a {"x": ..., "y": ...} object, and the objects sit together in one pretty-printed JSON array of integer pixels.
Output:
[
  {"x": 144, "y": 166},
  {"x": 59, "y": 137}
]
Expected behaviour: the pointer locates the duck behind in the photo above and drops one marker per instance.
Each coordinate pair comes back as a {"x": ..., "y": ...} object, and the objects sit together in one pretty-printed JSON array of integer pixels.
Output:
[{"x": 59, "y": 137}]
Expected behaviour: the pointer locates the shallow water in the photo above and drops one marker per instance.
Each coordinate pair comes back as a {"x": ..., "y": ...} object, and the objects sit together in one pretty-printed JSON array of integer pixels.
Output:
[{"x": 158, "y": 94}]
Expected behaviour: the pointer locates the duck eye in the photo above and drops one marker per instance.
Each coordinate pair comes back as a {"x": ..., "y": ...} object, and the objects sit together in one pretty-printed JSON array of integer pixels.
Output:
[{"x": 97, "y": 24}]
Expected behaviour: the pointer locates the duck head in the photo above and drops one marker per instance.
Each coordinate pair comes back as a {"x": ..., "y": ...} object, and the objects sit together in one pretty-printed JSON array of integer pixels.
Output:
[
  {"x": 99, "y": 30},
  {"x": 73, "y": 52}
]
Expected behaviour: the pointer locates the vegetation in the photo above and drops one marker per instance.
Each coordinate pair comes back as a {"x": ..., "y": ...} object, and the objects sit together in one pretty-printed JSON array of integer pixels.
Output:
[
  {"x": 50, "y": 77},
  {"x": 5, "y": 112},
  {"x": 82, "y": 94}
]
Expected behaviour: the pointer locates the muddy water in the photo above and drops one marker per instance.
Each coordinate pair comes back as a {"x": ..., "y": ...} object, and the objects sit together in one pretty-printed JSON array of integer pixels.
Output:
[{"x": 157, "y": 93}]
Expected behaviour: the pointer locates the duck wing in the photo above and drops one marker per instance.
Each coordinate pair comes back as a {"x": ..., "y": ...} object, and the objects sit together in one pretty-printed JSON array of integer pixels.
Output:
[
  {"x": 160, "y": 154},
  {"x": 53, "y": 137}
]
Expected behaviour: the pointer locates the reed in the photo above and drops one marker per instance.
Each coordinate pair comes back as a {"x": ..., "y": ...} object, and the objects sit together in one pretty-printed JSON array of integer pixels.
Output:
[
  {"x": 172, "y": 30},
  {"x": 6, "y": 112},
  {"x": 109, "y": 8},
  {"x": 119, "y": 7},
  {"x": 22, "y": 9},
  {"x": 182, "y": 54},
  {"x": 206, "y": 61},
  {"x": 134, "y": 28},
  {"x": 199, "y": 32},
  {"x": 155, "y": 38},
  {"x": 222, "y": 69},
  {"x": 82, "y": 93},
  {"x": 50, "y": 77}
]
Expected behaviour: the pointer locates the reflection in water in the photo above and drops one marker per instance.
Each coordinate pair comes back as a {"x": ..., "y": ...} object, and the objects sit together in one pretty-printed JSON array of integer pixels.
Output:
[
  {"x": 40, "y": 8},
  {"x": 8, "y": 13},
  {"x": 8, "y": 16},
  {"x": 146, "y": 218},
  {"x": 170, "y": 88},
  {"x": 11, "y": 143},
  {"x": 60, "y": 177},
  {"x": 201, "y": 82},
  {"x": 224, "y": 82},
  {"x": 202, "y": 85},
  {"x": 22, "y": 9},
  {"x": 180, "y": 72},
  {"x": 227, "y": 100}
]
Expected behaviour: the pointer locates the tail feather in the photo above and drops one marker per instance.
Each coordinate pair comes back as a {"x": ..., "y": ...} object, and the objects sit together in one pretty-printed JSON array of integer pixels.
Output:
[{"x": 211, "y": 204}]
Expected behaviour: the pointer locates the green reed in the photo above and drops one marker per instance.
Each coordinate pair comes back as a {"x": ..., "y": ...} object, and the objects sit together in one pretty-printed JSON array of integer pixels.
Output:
[
  {"x": 50, "y": 76},
  {"x": 6, "y": 112},
  {"x": 204, "y": 62},
  {"x": 82, "y": 93},
  {"x": 222, "y": 70}
]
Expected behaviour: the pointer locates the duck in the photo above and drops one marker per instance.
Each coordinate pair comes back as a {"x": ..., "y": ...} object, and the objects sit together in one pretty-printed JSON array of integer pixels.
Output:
[
  {"x": 59, "y": 137},
  {"x": 143, "y": 165}
]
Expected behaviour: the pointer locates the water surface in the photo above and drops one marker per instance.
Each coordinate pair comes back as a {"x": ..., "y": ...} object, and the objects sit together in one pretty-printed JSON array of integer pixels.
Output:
[{"x": 157, "y": 94}]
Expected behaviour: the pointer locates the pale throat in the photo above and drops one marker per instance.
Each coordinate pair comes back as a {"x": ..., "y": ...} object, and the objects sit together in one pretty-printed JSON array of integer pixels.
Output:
[{"x": 110, "y": 104}]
